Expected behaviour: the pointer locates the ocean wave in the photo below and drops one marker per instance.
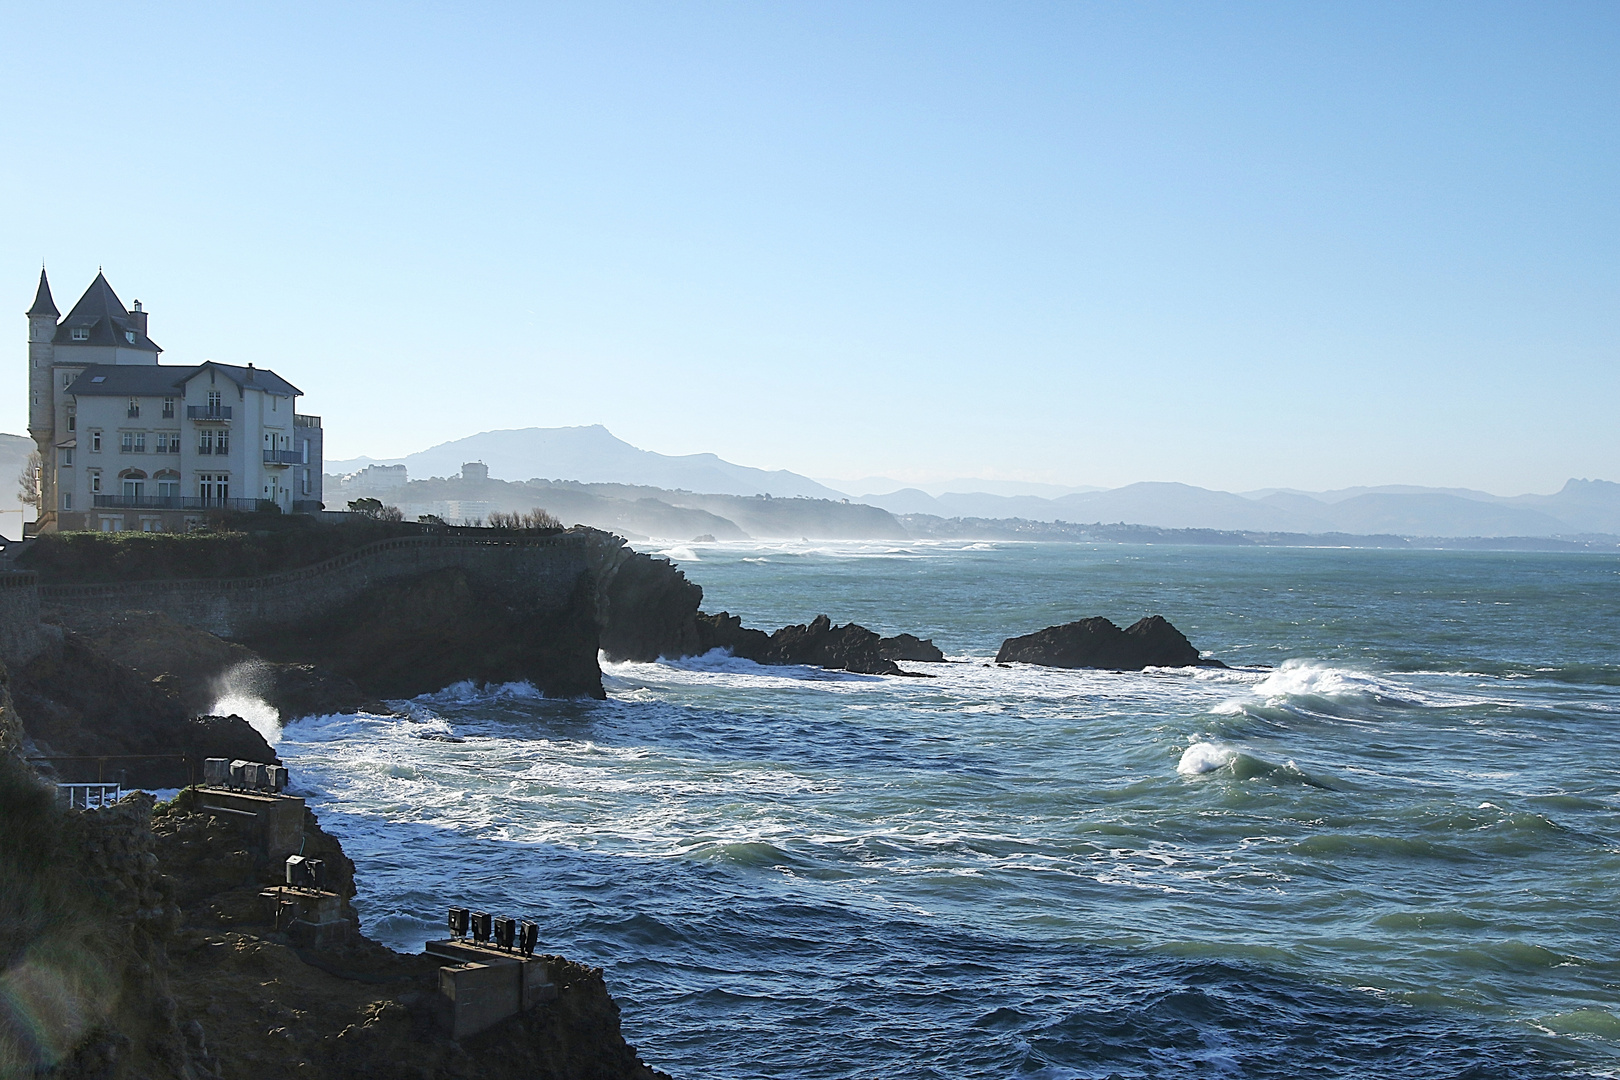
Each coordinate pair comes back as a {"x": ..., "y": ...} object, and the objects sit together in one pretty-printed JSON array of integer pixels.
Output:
[{"x": 1205, "y": 758}]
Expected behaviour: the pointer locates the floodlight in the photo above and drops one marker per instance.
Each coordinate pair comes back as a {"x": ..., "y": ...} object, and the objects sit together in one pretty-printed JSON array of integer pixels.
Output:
[
  {"x": 528, "y": 935},
  {"x": 458, "y": 922},
  {"x": 480, "y": 927},
  {"x": 505, "y": 930}
]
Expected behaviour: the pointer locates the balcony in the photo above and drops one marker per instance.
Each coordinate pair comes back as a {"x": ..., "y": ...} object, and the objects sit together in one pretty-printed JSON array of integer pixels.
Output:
[
  {"x": 208, "y": 412},
  {"x": 283, "y": 457},
  {"x": 301, "y": 420},
  {"x": 175, "y": 502}
]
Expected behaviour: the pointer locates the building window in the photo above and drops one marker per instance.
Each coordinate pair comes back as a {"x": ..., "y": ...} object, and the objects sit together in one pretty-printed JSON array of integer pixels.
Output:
[
  {"x": 95, "y": 442},
  {"x": 205, "y": 441},
  {"x": 126, "y": 441},
  {"x": 67, "y": 500},
  {"x": 222, "y": 441},
  {"x": 73, "y": 420},
  {"x": 80, "y": 333},
  {"x": 213, "y": 488},
  {"x": 95, "y": 481},
  {"x": 168, "y": 408},
  {"x": 67, "y": 379},
  {"x": 168, "y": 487},
  {"x": 67, "y": 456},
  {"x": 134, "y": 489},
  {"x": 214, "y": 401},
  {"x": 140, "y": 442},
  {"x": 129, "y": 336},
  {"x": 134, "y": 407}
]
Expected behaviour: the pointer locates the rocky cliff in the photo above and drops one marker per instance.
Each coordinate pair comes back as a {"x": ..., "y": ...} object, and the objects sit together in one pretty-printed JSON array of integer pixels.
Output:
[{"x": 134, "y": 944}]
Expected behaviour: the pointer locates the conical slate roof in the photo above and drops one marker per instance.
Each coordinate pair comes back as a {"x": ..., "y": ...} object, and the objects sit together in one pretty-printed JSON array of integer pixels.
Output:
[
  {"x": 43, "y": 304},
  {"x": 101, "y": 313}
]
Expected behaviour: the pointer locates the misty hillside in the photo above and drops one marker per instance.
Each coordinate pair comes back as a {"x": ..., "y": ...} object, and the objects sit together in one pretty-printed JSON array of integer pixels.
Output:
[
  {"x": 1581, "y": 507},
  {"x": 633, "y": 511},
  {"x": 593, "y": 455}
]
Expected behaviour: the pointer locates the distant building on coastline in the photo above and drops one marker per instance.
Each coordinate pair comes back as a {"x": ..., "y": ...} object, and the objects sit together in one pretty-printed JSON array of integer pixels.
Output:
[{"x": 128, "y": 443}]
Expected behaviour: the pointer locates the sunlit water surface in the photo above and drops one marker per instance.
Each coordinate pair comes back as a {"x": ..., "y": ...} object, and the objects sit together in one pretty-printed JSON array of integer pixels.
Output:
[{"x": 1384, "y": 845}]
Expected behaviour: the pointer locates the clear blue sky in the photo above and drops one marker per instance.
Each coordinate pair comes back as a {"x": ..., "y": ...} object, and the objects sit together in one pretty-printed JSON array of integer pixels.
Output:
[{"x": 1235, "y": 245}]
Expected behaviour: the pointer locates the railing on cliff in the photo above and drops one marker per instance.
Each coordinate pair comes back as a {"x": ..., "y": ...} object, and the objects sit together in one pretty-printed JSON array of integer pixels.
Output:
[{"x": 109, "y": 590}]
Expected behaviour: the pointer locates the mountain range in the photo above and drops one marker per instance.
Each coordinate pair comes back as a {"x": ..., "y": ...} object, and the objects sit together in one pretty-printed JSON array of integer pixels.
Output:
[{"x": 593, "y": 455}]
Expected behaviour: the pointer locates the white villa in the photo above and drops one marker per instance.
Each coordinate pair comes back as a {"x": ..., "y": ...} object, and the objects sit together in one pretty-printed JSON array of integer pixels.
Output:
[{"x": 128, "y": 443}]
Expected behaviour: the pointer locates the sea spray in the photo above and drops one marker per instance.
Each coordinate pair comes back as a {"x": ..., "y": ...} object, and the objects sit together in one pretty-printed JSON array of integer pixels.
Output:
[{"x": 240, "y": 692}]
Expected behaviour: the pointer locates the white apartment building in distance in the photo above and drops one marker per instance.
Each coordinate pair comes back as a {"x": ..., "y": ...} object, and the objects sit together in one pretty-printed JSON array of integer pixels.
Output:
[{"x": 126, "y": 442}]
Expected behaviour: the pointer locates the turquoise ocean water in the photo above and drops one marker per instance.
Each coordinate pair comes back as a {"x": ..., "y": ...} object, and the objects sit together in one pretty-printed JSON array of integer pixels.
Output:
[{"x": 1384, "y": 845}]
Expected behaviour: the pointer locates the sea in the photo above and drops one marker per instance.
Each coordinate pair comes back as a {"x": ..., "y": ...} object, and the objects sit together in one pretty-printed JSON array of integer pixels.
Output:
[{"x": 1384, "y": 843}]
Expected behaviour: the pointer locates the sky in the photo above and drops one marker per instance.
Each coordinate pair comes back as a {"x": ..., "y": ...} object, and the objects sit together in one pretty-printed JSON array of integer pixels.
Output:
[{"x": 1305, "y": 245}]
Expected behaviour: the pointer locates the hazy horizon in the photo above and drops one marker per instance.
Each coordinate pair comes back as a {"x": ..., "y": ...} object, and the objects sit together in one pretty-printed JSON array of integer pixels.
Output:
[{"x": 1238, "y": 247}]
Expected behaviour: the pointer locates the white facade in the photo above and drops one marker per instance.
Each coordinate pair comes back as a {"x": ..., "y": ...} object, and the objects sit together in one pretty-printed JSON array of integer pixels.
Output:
[{"x": 129, "y": 443}]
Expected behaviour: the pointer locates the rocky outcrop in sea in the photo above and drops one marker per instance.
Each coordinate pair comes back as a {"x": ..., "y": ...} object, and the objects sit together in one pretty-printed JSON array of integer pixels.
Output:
[
  {"x": 1098, "y": 643},
  {"x": 818, "y": 643}
]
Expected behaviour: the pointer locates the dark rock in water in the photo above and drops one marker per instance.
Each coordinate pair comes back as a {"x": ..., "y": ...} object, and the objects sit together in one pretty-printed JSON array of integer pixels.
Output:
[
  {"x": 726, "y": 631},
  {"x": 706, "y": 538},
  {"x": 911, "y": 647},
  {"x": 819, "y": 643},
  {"x": 227, "y": 737},
  {"x": 840, "y": 648},
  {"x": 1098, "y": 643}
]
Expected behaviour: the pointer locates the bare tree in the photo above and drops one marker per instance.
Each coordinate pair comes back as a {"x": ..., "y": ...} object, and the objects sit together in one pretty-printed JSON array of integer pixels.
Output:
[{"x": 28, "y": 492}]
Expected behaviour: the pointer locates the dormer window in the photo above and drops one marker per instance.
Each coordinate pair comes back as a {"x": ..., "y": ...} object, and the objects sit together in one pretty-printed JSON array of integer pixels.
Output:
[
  {"x": 129, "y": 336},
  {"x": 80, "y": 333}
]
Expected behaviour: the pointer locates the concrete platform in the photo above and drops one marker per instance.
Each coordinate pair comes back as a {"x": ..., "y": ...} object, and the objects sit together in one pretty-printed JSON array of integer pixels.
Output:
[
  {"x": 484, "y": 985},
  {"x": 280, "y": 818}
]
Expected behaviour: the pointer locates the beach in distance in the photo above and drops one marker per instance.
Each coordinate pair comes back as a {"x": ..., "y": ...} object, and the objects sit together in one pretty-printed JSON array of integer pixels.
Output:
[{"x": 1379, "y": 844}]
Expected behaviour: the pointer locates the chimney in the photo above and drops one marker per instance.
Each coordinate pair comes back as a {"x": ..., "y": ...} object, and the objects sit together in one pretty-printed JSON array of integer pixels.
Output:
[{"x": 138, "y": 317}]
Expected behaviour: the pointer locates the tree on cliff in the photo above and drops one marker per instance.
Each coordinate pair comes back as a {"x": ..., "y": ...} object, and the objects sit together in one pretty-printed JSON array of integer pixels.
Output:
[{"x": 374, "y": 509}]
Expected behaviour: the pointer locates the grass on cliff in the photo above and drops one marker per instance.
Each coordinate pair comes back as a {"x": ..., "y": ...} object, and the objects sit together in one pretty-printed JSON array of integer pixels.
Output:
[
  {"x": 241, "y": 546},
  {"x": 56, "y": 958}
]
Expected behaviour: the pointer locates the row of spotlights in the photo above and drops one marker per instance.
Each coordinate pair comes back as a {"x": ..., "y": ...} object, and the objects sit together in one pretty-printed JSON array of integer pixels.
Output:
[{"x": 501, "y": 931}]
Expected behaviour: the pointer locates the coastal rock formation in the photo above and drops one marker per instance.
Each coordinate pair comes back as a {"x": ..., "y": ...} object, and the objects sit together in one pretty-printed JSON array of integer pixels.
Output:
[
  {"x": 133, "y": 943},
  {"x": 645, "y": 606},
  {"x": 200, "y": 668},
  {"x": 1098, "y": 643},
  {"x": 819, "y": 643},
  {"x": 100, "y": 720},
  {"x": 911, "y": 647},
  {"x": 421, "y": 634}
]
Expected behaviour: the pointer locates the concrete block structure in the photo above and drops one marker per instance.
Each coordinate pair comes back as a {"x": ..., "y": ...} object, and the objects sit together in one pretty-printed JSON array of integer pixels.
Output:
[
  {"x": 482, "y": 985},
  {"x": 127, "y": 442}
]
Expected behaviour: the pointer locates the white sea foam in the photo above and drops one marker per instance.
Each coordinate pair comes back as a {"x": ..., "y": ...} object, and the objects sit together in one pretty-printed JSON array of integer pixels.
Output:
[{"x": 1205, "y": 757}]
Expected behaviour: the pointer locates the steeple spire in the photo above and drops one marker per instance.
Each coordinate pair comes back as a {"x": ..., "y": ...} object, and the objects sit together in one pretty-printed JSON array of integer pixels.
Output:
[{"x": 43, "y": 304}]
